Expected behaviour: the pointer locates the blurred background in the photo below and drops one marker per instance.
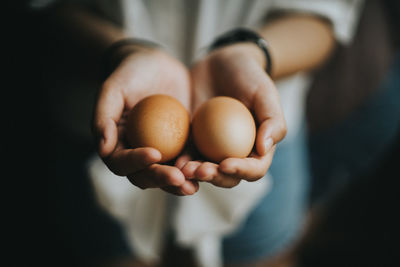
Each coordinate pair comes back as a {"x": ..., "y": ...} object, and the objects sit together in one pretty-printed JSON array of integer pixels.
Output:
[{"x": 353, "y": 113}]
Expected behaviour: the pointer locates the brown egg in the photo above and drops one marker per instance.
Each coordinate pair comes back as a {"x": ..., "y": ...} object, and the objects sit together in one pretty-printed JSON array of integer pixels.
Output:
[
  {"x": 223, "y": 127},
  {"x": 161, "y": 122}
]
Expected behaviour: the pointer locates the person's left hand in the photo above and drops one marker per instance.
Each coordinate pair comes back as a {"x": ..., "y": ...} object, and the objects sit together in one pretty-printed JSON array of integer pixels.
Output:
[{"x": 237, "y": 71}]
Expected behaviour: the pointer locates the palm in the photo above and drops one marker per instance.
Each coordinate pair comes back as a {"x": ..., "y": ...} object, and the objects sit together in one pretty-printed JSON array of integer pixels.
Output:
[
  {"x": 154, "y": 73},
  {"x": 140, "y": 75},
  {"x": 149, "y": 74},
  {"x": 214, "y": 76},
  {"x": 235, "y": 74}
]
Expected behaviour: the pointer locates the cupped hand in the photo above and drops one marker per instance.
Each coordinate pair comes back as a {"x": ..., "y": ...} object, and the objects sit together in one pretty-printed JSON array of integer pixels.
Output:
[
  {"x": 140, "y": 74},
  {"x": 237, "y": 71}
]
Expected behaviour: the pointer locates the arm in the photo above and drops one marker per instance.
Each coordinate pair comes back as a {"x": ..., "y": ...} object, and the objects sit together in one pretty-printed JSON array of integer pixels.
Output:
[
  {"x": 297, "y": 43},
  {"x": 141, "y": 71},
  {"x": 85, "y": 28}
]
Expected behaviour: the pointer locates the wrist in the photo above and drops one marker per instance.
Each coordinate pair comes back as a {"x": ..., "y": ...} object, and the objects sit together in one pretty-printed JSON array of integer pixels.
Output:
[
  {"x": 121, "y": 49},
  {"x": 247, "y": 41},
  {"x": 245, "y": 50}
]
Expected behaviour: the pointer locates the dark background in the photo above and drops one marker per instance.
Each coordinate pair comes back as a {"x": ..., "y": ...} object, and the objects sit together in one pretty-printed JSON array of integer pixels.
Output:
[{"x": 49, "y": 208}]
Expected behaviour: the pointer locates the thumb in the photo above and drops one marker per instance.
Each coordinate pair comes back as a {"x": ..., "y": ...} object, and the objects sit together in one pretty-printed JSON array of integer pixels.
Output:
[
  {"x": 106, "y": 136},
  {"x": 108, "y": 111},
  {"x": 270, "y": 132},
  {"x": 269, "y": 115}
]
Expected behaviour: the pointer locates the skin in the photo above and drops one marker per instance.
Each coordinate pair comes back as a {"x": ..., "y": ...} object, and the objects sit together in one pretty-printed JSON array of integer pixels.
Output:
[
  {"x": 140, "y": 74},
  {"x": 230, "y": 71},
  {"x": 236, "y": 70}
]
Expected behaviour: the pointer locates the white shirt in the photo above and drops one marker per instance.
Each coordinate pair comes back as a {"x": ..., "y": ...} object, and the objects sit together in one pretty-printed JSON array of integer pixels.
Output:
[{"x": 186, "y": 27}]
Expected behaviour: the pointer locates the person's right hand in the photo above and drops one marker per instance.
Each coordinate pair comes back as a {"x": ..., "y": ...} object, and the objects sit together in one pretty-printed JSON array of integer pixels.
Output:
[{"x": 141, "y": 73}]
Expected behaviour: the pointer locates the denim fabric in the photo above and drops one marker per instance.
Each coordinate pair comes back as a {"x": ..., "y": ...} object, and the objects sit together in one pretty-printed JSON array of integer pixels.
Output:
[
  {"x": 278, "y": 218},
  {"x": 348, "y": 149}
]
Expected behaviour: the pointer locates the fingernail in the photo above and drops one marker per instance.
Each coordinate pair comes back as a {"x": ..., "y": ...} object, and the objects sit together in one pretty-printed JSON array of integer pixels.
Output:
[{"x": 268, "y": 144}]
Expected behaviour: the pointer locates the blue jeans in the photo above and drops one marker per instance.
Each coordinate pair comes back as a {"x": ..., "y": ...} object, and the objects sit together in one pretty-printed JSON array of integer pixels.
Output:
[
  {"x": 346, "y": 150},
  {"x": 277, "y": 219}
]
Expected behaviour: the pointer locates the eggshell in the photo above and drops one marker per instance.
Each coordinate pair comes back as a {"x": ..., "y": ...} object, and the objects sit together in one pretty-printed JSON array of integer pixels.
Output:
[
  {"x": 161, "y": 122},
  {"x": 223, "y": 127}
]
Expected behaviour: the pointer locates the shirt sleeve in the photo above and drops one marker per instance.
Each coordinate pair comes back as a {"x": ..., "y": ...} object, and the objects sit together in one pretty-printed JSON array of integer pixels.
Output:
[
  {"x": 40, "y": 4},
  {"x": 343, "y": 14}
]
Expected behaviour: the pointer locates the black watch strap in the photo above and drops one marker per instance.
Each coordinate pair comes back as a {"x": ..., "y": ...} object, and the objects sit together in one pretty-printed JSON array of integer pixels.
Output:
[{"x": 244, "y": 35}]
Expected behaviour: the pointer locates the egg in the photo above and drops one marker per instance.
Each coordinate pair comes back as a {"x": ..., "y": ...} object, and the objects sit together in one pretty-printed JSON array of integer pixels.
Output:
[
  {"x": 161, "y": 122},
  {"x": 223, "y": 127}
]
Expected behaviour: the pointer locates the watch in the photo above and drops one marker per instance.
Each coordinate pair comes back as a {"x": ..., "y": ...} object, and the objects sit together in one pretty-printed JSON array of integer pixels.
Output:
[{"x": 244, "y": 35}]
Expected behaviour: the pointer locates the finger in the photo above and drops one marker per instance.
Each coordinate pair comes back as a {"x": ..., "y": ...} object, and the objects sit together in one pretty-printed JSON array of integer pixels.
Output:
[
  {"x": 109, "y": 108},
  {"x": 270, "y": 117},
  {"x": 157, "y": 176},
  {"x": 175, "y": 190},
  {"x": 188, "y": 188},
  {"x": 206, "y": 171},
  {"x": 250, "y": 169},
  {"x": 269, "y": 133},
  {"x": 126, "y": 161},
  {"x": 226, "y": 181},
  {"x": 190, "y": 168},
  {"x": 182, "y": 160}
]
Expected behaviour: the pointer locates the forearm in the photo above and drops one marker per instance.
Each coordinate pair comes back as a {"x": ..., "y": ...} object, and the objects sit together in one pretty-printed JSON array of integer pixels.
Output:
[
  {"x": 85, "y": 28},
  {"x": 298, "y": 43}
]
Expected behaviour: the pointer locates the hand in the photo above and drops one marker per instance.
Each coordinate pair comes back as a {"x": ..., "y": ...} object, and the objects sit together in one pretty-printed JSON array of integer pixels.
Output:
[
  {"x": 238, "y": 71},
  {"x": 141, "y": 73}
]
